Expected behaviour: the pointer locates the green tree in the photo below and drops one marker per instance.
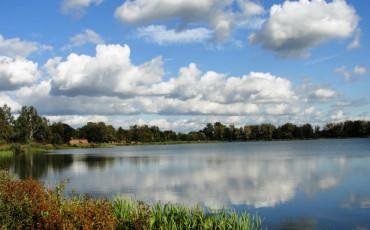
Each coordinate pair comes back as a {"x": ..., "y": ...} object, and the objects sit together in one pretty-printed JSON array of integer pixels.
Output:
[
  {"x": 30, "y": 126},
  {"x": 219, "y": 131},
  {"x": 6, "y": 124},
  {"x": 98, "y": 132},
  {"x": 209, "y": 131},
  {"x": 307, "y": 131},
  {"x": 61, "y": 133},
  {"x": 334, "y": 130},
  {"x": 267, "y": 131},
  {"x": 122, "y": 135},
  {"x": 247, "y": 132},
  {"x": 287, "y": 131}
]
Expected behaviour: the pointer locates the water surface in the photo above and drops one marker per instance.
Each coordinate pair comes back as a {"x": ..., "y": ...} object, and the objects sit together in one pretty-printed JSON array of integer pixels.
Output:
[{"x": 318, "y": 184}]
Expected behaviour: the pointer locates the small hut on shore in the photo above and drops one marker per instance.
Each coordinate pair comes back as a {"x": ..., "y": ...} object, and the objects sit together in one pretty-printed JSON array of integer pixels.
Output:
[{"x": 78, "y": 142}]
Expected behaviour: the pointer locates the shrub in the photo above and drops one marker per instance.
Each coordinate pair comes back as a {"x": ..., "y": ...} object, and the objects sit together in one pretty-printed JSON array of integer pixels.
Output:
[{"x": 28, "y": 205}]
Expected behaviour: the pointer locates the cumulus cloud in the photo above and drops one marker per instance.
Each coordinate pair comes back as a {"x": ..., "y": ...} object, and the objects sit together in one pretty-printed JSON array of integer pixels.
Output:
[
  {"x": 313, "y": 93},
  {"x": 110, "y": 79},
  {"x": 220, "y": 88},
  {"x": 15, "y": 47},
  {"x": 77, "y": 120},
  {"x": 87, "y": 36},
  {"x": 161, "y": 35},
  {"x": 16, "y": 72},
  {"x": 108, "y": 85},
  {"x": 6, "y": 100},
  {"x": 218, "y": 15},
  {"x": 110, "y": 72},
  {"x": 77, "y": 7},
  {"x": 294, "y": 27},
  {"x": 351, "y": 74}
]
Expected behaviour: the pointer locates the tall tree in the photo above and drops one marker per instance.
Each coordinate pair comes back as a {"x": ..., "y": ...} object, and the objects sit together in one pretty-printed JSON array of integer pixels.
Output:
[
  {"x": 30, "y": 125},
  {"x": 209, "y": 131},
  {"x": 6, "y": 124}
]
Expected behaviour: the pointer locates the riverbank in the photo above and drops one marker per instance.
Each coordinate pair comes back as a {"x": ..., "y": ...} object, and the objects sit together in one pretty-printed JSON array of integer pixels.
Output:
[
  {"x": 7, "y": 149},
  {"x": 27, "y": 204}
]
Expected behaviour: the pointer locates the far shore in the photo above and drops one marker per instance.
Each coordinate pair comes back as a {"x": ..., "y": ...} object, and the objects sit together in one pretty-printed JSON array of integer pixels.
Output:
[{"x": 7, "y": 150}]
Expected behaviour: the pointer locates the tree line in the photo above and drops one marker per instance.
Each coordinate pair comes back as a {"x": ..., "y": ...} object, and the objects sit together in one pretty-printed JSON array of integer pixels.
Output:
[{"x": 29, "y": 126}]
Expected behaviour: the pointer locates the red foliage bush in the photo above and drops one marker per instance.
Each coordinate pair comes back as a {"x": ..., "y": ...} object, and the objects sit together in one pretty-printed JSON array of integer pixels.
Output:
[{"x": 28, "y": 205}]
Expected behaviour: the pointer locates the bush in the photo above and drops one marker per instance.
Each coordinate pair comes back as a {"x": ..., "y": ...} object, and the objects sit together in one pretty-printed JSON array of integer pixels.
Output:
[{"x": 28, "y": 205}]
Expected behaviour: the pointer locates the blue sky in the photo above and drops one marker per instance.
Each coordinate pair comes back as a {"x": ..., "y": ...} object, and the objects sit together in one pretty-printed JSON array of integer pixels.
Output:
[{"x": 180, "y": 64}]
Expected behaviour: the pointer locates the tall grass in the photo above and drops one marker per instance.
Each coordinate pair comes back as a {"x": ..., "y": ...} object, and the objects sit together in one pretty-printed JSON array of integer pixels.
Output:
[
  {"x": 137, "y": 215},
  {"x": 6, "y": 153}
]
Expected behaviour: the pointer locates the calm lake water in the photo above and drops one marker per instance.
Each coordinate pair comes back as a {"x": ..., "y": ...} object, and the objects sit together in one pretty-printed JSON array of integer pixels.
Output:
[{"x": 318, "y": 184}]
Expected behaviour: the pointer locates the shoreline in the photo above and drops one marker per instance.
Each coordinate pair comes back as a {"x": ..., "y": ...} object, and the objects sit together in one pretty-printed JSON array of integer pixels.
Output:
[{"x": 37, "y": 148}]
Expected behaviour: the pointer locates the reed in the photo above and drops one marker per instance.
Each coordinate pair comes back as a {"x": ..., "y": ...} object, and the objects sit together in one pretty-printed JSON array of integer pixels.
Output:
[{"x": 137, "y": 215}]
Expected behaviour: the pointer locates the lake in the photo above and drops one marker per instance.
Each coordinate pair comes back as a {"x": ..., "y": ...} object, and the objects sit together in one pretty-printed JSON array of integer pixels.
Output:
[{"x": 313, "y": 184}]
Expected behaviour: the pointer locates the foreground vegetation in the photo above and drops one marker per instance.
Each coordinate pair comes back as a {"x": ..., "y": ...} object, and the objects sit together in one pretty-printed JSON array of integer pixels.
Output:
[
  {"x": 30, "y": 127},
  {"x": 28, "y": 205}
]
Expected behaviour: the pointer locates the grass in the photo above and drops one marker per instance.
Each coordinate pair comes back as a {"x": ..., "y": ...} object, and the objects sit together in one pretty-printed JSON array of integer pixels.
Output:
[
  {"x": 131, "y": 214},
  {"x": 34, "y": 148},
  {"x": 6, "y": 153},
  {"x": 27, "y": 204}
]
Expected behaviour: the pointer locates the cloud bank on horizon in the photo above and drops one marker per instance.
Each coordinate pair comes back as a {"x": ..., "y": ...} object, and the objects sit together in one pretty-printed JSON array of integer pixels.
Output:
[{"x": 179, "y": 65}]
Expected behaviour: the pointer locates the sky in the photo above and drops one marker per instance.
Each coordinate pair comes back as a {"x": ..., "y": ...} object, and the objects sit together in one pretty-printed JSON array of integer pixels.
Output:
[{"x": 179, "y": 64}]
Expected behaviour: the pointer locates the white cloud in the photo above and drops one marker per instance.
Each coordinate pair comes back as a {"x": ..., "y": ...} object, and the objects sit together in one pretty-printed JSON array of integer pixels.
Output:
[
  {"x": 85, "y": 37},
  {"x": 338, "y": 116},
  {"x": 359, "y": 70},
  {"x": 5, "y": 99},
  {"x": 219, "y": 15},
  {"x": 16, "y": 72},
  {"x": 294, "y": 27},
  {"x": 34, "y": 92},
  {"x": 161, "y": 35},
  {"x": 220, "y": 88},
  {"x": 356, "y": 43},
  {"x": 76, "y": 120},
  {"x": 139, "y": 11},
  {"x": 15, "y": 47},
  {"x": 77, "y": 7},
  {"x": 110, "y": 72},
  {"x": 250, "y": 8},
  {"x": 109, "y": 85},
  {"x": 351, "y": 74},
  {"x": 324, "y": 93}
]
